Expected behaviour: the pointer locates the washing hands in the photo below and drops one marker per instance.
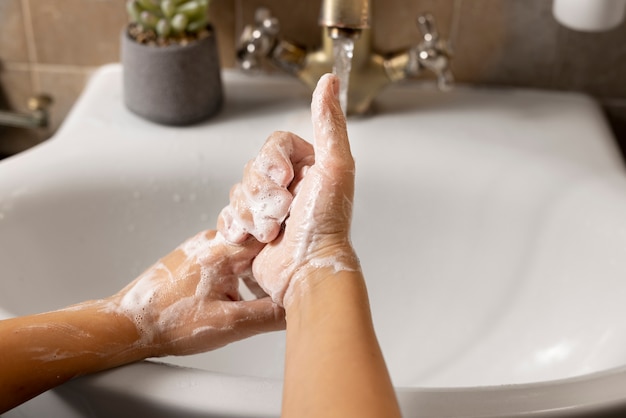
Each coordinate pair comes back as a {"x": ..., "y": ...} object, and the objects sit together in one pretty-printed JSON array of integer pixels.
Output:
[
  {"x": 286, "y": 234},
  {"x": 297, "y": 199},
  {"x": 189, "y": 301},
  {"x": 306, "y": 189},
  {"x": 287, "y": 219}
]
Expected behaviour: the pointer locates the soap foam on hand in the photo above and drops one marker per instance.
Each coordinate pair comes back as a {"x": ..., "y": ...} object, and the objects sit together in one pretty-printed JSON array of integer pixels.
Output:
[
  {"x": 258, "y": 211},
  {"x": 321, "y": 208},
  {"x": 193, "y": 294},
  {"x": 260, "y": 203},
  {"x": 148, "y": 287}
]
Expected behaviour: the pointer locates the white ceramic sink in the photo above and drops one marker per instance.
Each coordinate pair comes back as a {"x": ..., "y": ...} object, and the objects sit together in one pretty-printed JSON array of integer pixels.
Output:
[{"x": 491, "y": 225}]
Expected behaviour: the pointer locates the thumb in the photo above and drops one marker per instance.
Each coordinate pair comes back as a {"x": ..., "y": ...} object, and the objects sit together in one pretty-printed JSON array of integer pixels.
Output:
[{"x": 329, "y": 124}]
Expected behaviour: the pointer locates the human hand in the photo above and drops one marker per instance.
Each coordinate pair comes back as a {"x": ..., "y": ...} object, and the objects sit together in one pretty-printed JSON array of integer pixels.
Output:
[
  {"x": 316, "y": 234},
  {"x": 260, "y": 203},
  {"x": 189, "y": 302}
]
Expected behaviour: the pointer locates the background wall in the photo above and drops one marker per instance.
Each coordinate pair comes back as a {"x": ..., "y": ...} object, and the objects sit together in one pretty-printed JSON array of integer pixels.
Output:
[{"x": 52, "y": 46}]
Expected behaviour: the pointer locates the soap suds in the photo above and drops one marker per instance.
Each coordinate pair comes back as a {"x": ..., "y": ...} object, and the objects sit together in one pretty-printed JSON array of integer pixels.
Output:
[
  {"x": 323, "y": 206},
  {"x": 256, "y": 209},
  {"x": 266, "y": 202},
  {"x": 151, "y": 289}
]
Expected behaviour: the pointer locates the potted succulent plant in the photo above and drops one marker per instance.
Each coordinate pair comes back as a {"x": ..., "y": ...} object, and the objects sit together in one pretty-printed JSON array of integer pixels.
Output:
[{"x": 170, "y": 61}]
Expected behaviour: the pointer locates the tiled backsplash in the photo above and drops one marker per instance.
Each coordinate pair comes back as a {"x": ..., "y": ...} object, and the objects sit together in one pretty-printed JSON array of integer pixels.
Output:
[{"x": 52, "y": 46}]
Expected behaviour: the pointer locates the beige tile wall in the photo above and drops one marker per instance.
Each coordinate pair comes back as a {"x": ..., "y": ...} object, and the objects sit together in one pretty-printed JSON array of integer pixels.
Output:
[{"x": 52, "y": 46}]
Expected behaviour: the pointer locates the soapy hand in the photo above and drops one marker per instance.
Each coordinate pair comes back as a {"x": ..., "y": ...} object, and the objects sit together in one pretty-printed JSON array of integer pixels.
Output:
[
  {"x": 316, "y": 233},
  {"x": 189, "y": 302},
  {"x": 260, "y": 203}
]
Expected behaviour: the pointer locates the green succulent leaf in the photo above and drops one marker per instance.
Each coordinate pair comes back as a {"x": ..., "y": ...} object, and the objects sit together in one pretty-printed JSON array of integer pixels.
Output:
[
  {"x": 191, "y": 9},
  {"x": 168, "y": 7},
  {"x": 163, "y": 28},
  {"x": 179, "y": 22},
  {"x": 153, "y": 5},
  {"x": 197, "y": 25},
  {"x": 149, "y": 19},
  {"x": 169, "y": 17},
  {"x": 134, "y": 10}
]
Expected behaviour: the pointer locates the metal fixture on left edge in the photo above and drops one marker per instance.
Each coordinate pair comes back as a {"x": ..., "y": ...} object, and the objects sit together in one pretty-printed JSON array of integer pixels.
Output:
[{"x": 37, "y": 118}]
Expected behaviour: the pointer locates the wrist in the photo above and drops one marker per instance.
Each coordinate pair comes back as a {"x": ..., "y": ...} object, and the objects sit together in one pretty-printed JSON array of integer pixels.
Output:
[{"x": 315, "y": 274}]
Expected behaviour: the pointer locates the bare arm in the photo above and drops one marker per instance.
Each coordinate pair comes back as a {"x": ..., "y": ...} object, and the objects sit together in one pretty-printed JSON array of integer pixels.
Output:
[
  {"x": 334, "y": 366},
  {"x": 39, "y": 352},
  {"x": 188, "y": 302}
]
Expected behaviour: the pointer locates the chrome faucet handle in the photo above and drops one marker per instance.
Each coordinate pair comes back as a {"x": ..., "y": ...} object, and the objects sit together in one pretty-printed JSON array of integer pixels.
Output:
[
  {"x": 426, "y": 24},
  {"x": 433, "y": 53},
  {"x": 258, "y": 40}
]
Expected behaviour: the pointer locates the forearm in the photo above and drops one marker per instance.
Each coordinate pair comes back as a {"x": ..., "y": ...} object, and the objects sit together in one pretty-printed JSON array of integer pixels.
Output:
[
  {"x": 334, "y": 366},
  {"x": 42, "y": 351}
]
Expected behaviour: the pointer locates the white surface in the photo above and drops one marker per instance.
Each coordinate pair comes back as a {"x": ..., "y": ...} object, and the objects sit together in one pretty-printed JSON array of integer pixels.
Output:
[
  {"x": 491, "y": 225},
  {"x": 589, "y": 15}
]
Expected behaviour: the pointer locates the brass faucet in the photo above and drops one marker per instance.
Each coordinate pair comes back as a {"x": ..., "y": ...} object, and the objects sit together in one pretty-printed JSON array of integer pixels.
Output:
[
  {"x": 347, "y": 16},
  {"x": 371, "y": 71}
]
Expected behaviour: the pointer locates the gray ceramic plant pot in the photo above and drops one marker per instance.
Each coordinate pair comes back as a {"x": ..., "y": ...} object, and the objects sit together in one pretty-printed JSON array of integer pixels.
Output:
[{"x": 172, "y": 85}]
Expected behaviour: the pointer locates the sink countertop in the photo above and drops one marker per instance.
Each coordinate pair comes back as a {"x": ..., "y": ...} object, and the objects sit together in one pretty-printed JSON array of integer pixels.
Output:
[{"x": 564, "y": 126}]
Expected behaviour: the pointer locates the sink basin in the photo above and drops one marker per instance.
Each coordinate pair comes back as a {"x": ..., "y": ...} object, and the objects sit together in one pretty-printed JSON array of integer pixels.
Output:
[{"x": 491, "y": 225}]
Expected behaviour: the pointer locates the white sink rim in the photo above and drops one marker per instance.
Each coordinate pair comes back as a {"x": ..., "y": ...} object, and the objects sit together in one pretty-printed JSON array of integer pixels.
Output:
[{"x": 580, "y": 394}]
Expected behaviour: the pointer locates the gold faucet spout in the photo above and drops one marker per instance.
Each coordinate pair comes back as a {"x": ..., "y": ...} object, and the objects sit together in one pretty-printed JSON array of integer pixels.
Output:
[
  {"x": 367, "y": 78},
  {"x": 348, "y": 15}
]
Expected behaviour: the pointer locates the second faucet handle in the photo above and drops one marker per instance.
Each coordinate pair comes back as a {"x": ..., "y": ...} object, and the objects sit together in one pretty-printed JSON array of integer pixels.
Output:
[
  {"x": 257, "y": 40},
  {"x": 426, "y": 24},
  {"x": 432, "y": 53}
]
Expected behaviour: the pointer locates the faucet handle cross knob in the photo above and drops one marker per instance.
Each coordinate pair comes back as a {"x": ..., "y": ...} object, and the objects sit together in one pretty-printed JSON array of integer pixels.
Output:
[
  {"x": 257, "y": 40},
  {"x": 432, "y": 53},
  {"x": 426, "y": 25}
]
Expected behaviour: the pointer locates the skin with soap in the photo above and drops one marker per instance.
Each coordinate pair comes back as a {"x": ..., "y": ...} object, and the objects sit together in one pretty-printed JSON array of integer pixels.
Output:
[
  {"x": 188, "y": 302},
  {"x": 261, "y": 202},
  {"x": 285, "y": 233},
  {"x": 333, "y": 366}
]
